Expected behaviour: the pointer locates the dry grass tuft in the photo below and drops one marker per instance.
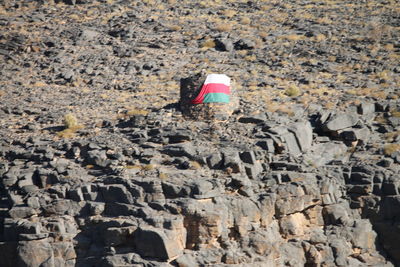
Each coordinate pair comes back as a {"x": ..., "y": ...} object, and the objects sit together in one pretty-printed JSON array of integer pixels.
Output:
[
  {"x": 69, "y": 132},
  {"x": 390, "y": 149},
  {"x": 324, "y": 20},
  {"x": 389, "y": 47},
  {"x": 396, "y": 114},
  {"x": 282, "y": 108},
  {"x": 163, "y": 176},
  {"x": 229, "y": 13},
  {"x": 223, "y": 27},
  {"x": 371, "y": 92},
  {"x": 381, "y": 119},
  {"x": 250, "y": 57},
  {"x": 208, "y": 44},
  {"x": 137, "y": 112},
  {"x": 392, "y": 136},
  {"x": 148, "y": 167},
  {"x": 39, "y": 84},
  {"x": 175, "y": 27},
  {"x": 133, "y": 167},
  {"x": 320, "y": 38},
  {"x": 245, "y": 20},
  {"x": 195, "y": 165},
  {"x": 293, "y": 37}
]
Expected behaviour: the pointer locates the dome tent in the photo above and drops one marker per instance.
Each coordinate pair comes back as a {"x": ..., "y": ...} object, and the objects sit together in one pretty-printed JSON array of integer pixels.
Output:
[{"x": 207, "y": 97}]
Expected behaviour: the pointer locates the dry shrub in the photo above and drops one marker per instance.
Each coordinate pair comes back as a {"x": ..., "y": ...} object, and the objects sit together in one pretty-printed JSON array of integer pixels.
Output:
[
  {"x": 392, "y": 136},
  {"x": 195, "y": 165},
  {"x": 250, "y": 57},
  {"x": 39, "y": 84},
  {"x": 381, "y": 119},
  {"x": 229, "y": 13},
  {"x": 383, "y": 75},
  {"x": 293, "y": 37},
  {"x": 329, "y": 105},
  {"x": 149, "y": 2},
  {"x": 245, "y": 20},
  {"x": 395, "y": 114},
  {"x": 279, "y": 107},
  {"x": 163, "y": 176},
  {"x": 223, "y": 27},
  {"x": 320, "y": 38},
  {"x": 208, "y": 44},
  {"x": 389, "y": 47},
  {"x": 3, "y": 11},
  {"x": 331, "y": 58},
  {"x": 137, "y": 112},
  {"x": 175, "y": 27},
  {"x": 324, "y": 20},
  {"x": 371, "y": 92},
  {"x": 131, "y": 167},
  {"x": 148, "y": 167}
]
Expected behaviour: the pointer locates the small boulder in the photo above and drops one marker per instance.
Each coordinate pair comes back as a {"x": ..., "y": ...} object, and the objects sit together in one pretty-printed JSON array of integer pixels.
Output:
[
  {"x": 336, "y": 214},
  {"x": 223, "y": 44},
  {"x": 366, "y": 108},
  {"x": 21, "y": 212},
  {"x": 214, "y": 161},
  {"x": 245, "y": 44},
  {"x": 303, "y": 133},
  {"x": 341, "y": 121},
  {"x": 116, "y": 193},
  {"x": 158, "y": 243},
  {"x": 35, "y": 253}
]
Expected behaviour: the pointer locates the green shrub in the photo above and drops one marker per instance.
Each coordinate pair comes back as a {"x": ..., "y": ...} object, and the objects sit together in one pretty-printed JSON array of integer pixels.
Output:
[
  {"x": 70, "y": 121},
  {"x": 293, "y": 91}
]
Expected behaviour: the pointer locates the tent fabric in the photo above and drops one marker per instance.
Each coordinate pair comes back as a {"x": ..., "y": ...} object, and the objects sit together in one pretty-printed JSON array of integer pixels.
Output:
[
  {"x": 216, "y": 98},
  {"x": 216, "y": 89}
]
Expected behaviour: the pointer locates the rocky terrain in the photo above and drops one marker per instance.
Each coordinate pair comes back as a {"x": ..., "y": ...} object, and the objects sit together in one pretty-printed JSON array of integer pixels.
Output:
[{"x": 100, "y": 167}]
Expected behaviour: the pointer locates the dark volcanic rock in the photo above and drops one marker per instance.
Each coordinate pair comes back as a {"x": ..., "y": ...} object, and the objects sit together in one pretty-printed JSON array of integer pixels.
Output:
[
  {"x": 180, "y": 150},
  {"x": 244, "y": 44},
  {"x": 105, "y": 161},
  {"x": 223, "y": 44},
  {"x": 162, "y": 244}
]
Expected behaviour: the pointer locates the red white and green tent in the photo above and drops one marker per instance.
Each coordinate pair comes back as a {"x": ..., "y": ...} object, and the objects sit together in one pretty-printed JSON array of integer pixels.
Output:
[{"x": 216, "y": 89}]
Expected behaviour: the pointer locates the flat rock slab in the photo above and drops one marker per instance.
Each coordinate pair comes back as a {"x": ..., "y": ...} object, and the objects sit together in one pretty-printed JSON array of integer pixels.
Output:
[
  {"x": 303, "y": 133},
  {"x": 341, "y": 121}
]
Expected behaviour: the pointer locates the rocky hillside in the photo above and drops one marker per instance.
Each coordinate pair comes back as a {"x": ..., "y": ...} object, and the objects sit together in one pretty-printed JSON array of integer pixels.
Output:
[{"x": 99, "y": 167}]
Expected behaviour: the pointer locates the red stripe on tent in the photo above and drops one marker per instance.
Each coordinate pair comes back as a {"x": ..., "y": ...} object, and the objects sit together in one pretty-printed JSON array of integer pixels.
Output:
[
  {"x": 217, "y": 88},
  {"x": 211, "y": 88}
]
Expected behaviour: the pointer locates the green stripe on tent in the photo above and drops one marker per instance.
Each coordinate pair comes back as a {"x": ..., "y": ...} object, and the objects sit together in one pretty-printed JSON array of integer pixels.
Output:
[{"x": 216, "y": 98}]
